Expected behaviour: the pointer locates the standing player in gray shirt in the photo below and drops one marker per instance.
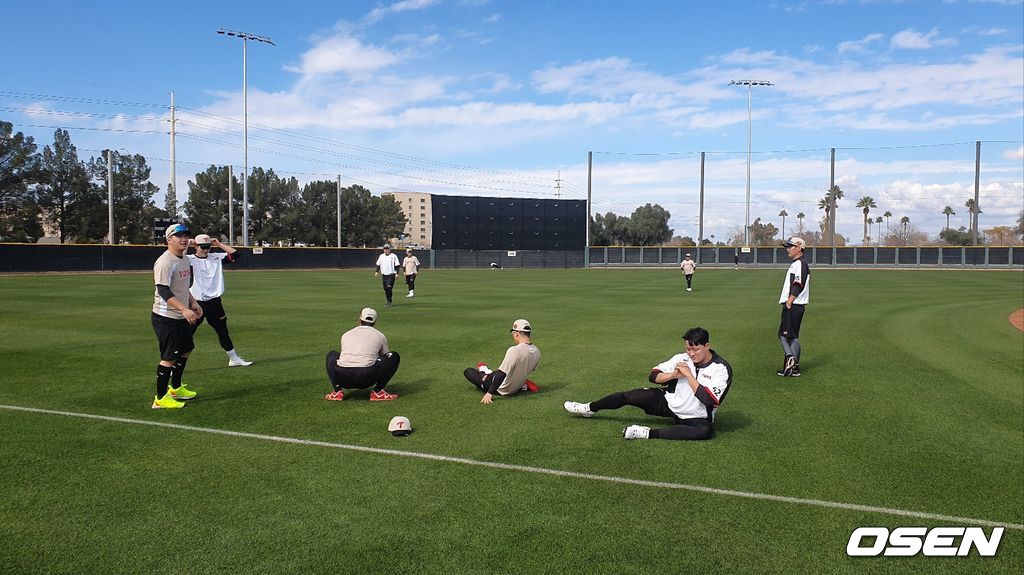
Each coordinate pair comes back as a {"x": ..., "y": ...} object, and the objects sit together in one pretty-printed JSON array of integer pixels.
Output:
[
  {"x": 364, "y": 361},
  {"x": 511, "y": 376}
]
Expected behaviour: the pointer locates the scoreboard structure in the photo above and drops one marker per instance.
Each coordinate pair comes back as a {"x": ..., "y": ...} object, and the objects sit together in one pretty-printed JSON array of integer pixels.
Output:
[{"x": 480, "y": 223}]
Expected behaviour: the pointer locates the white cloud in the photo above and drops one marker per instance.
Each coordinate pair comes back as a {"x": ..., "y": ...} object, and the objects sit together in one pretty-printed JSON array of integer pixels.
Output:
[
  {"x": 859, "y": 46},
  {"x": 343, "y": 54},
  {"x": 381, "y": 12},
  {"x": 1014, "y": 155},
  {"x": 911, "y": 39}
]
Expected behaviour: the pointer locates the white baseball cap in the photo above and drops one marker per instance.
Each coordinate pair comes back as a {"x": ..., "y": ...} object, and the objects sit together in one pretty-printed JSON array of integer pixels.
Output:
[
  {"x": 202, "y": 239},
  {"x": 175, "y": 229},
  {"x": 795, "y": 242},
  {"x": 521, "y": 325},
  {"x": 400, "y": 425},
  {"x": 369, "y": 315}
]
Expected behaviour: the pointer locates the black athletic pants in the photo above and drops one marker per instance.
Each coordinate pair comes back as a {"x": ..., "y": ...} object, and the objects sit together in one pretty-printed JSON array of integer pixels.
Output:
[
  {"x": 214, "y": 314},
  {"x": 388, "y": 281},
  {"x": 652, "y": 401},
  {"x": 377, "y": 375},
  {"x": 483, "y": 381},
  {"x": 410, "y": 280},
  {"x": 689, "y": 278}
]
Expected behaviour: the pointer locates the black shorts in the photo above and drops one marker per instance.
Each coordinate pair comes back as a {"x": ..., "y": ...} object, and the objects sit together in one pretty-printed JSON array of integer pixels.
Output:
[
  {"x": 212, "y": 309},
  {"x": 174, "y": 336},
  {"x": 789, "y": 323}
]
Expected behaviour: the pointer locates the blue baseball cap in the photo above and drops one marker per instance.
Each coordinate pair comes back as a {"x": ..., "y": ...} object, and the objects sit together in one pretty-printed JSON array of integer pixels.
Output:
[{"x": 175, "y": 230}]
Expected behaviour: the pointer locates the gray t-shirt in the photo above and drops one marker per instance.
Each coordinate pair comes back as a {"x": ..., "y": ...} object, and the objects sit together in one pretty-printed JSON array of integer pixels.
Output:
[
  {"x": 361, "y": 346},
  {"x": 175, "y": 273},
  {"x": 519, "y": 361}
]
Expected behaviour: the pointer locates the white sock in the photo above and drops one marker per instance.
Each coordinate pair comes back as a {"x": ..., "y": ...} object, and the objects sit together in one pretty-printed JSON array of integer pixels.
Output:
[{"x": 231, "y": 354}]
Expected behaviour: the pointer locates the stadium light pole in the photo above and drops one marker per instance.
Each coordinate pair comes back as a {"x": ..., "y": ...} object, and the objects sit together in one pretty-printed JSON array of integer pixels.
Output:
[
  {"x": 245, "y": 36},
  {"x": 749, "y": 84}
]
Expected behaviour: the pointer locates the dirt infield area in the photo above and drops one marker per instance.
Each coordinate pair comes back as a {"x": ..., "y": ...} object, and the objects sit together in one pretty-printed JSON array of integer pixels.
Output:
[{"x": 1017, "y": 319}]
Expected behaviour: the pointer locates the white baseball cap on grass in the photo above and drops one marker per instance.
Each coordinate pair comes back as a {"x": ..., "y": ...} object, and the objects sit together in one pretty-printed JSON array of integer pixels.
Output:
[{"x": 400, "y": 425}]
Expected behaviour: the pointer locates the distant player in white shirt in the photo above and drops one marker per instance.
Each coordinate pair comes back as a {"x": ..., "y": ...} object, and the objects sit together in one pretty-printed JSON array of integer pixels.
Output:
[
  {"x": 796, "y": 293},
  {"x": 208, "y": 286},
  {"x": 693, "y": 384},
  {"x": 387, "y": 267},
  {"x": 411, "y": 267},
  {"x": 687, "y": 266}
]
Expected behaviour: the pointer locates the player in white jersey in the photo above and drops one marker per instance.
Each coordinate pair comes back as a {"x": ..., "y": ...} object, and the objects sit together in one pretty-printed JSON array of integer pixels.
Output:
[
  {"x": 687, "y": 266},
  {"x": 208, "y": 287},
  {"x": 174, "y": 313},
  {"x": 411, "y": 267},
  {"x": 387, "y": 268},
  {"x": 796, "y": 293},
  {"x": 694, "y": 385}
]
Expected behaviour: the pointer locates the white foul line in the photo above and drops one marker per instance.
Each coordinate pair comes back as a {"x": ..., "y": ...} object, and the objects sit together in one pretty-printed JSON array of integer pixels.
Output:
[{"x": 951, "y": 519}]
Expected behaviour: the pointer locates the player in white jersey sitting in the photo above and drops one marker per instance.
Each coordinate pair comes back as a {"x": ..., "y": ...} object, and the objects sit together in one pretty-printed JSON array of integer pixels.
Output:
[
  {"x": 208, "y": 287},
  {"x": 693, "y": 384}
]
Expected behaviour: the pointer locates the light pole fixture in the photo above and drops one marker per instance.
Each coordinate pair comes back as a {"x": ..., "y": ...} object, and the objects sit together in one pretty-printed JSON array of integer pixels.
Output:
[
  {"x": 245, "y": 36},
  {"x": 749, "y": 84}
]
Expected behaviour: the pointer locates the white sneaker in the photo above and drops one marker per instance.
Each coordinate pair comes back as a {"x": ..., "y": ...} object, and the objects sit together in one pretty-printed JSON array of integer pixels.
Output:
[
  {"x": 410, "y": 294},
  {"x": 582, "y": 409},
  {"x": 482, "y": 368},
  {"x": 688, "y": 289},
  {"x": 239, "y": 362},
  {"x": 636, "y": 432}
]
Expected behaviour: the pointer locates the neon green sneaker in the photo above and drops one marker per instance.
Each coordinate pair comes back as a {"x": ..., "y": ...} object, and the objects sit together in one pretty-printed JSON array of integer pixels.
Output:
[
  {"x": 182, "y": 393},
  {"x": 166, "y": 402}
]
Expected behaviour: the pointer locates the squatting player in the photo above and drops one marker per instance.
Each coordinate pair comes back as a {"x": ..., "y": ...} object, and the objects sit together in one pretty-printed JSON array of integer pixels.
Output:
[
  {"x": 796, "y": 293},
  {"x": 175, "y": 311},
  {"x": 693, "y": 384}
]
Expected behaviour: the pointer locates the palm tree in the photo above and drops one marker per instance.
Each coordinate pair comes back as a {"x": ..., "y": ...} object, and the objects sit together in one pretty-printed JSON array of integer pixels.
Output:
[
  {"x": 867, "y": 202},
  {"x": 905, "y": 220},
  {"x": 971, "y": 209},
  {"x": 783, "y": 213},
  {"x": 835, "y": 194},
  {"x": 948, "y": 211},
  {"x": 887, "y": 216},
  {"x": 878, "y": 221},
  {"x": 801, "y": 217}
]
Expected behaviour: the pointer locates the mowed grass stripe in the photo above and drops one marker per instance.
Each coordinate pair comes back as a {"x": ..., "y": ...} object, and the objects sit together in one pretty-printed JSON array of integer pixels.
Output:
[{"x": 538, "y": 470}]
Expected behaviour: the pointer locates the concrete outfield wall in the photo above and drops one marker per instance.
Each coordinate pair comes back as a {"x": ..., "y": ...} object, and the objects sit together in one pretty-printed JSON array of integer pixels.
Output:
[{"x": 84, "y": 258}]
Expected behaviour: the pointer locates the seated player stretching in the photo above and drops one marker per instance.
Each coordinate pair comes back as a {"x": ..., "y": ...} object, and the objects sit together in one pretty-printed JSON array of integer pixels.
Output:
[{"x": 693, "y": 384}]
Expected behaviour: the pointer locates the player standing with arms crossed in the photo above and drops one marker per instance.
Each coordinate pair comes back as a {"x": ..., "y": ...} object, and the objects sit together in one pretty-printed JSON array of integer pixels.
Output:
[
  {"x": 175, "y": 311},
  {"x": 796, "y": 293},
  {"x": 208, "y": 286},
  {"x": 387, "y": 267}
]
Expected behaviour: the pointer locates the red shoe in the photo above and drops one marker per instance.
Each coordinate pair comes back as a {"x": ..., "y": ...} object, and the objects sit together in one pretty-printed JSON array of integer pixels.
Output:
[
  {"x": 335, "y": 396},
  {"x": 382, "y": 396},
  {"x": 532, "y": 386}
]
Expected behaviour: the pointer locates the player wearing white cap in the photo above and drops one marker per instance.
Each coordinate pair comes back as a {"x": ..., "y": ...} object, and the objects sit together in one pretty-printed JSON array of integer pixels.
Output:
[
  {"x": 364, "y": 361},
  {"x": 694, "y": 385},
  {"x": 796, "y": 293},
  {"x": 687, "y": 266},
  {"x": 511, "y": 376},
  {"x": 387, "y": 267},
  {"x": 208, "y": 287},
  {"x": 174, "y": 312}
]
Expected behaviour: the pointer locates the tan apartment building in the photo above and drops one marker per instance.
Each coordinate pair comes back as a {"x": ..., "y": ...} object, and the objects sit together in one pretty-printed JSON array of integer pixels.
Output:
[{"x": 418, "y": 221}]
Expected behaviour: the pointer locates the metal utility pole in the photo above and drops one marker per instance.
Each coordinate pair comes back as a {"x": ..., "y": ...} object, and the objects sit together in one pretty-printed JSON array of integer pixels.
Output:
[
  {"x": 558, "y": 185},
  {"x": 700, "y": 229},
  {"x": 586, "y": 241},
  {"x": 174, "y": 180},
  {"x": 749, "y": 84},
  {"x": 231, "y": 207},
  {"x": 110, "y": 196},
  {"x": 977, "y": 187},
  {"x": 245, "y": 36},
  {"x": 339, "y": 211}
]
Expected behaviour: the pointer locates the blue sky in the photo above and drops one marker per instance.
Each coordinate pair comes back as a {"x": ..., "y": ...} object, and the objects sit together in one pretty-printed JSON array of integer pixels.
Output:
[{"x": 494, "y": 97}]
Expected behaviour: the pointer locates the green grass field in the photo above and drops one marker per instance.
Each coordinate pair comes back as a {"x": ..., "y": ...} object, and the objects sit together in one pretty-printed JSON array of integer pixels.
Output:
[{"x": 912, "y": 399}]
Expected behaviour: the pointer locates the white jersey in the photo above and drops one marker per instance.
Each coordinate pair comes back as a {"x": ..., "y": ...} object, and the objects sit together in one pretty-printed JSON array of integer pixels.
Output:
[
  {"x": 388, "y": 264},
  {"x": 714, "y": 378},
  {"x": 207, "y": 276},
  {"x": 798, "y": 273}
]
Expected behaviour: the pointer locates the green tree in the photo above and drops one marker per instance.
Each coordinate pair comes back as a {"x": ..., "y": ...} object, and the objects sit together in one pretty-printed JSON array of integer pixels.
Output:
[
  {"x": 133, "y": 196},
  {"x": 648, "y": 225},
  {"x": 960, "y": 237},
  {"x": 866, "y": 203},
  {"x": 887, "y": 215},
  {"x": 207, "y": 204},
  {"x": 878, "y": 222},
  {"x": 272, "y": 199},
  {"x": 948, "y": 211},
  {"x": 762, "y": 234},
  {"x": 65, "y": 190},
  {"x": 318, "y": 209},
  {"x": 973, "y": 210},
  {"x": 171, "y": 201},
  {"x": 19, "y": 171},
  {"x": 800, "y": 218},
  {"x": 783, "y": 214},
  {"x": 1020, "y": 225}
]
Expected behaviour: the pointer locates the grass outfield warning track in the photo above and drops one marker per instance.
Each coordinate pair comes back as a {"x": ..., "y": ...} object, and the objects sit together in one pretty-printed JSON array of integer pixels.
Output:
[{"x": 912, "y": 399}]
